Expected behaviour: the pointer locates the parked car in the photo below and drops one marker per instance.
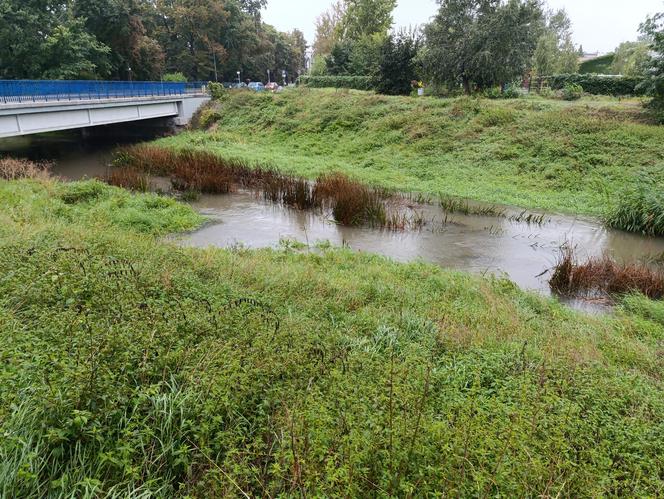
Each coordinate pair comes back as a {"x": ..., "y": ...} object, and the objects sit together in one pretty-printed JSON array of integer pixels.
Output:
[
  {"x": 256, "y": 86},
  {"x": 240, "y": 85},
  {"x": 273, "y": 86}
]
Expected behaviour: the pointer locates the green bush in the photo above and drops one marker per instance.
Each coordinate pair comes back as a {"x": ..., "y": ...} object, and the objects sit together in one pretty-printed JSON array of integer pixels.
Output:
[
  {"x": 572, "y": 91},
  {"x": 353, "y": 82},
  {"x": 511, "y": 91},
  {"x": 209, "y": 117},
  {"x": 216, "y": 90},
  {"x": 599, "y": 84},
  {"x": 639, "y": 209},
  {"x": 177, "y": 77},
  {"x": 598, "y": 65}
]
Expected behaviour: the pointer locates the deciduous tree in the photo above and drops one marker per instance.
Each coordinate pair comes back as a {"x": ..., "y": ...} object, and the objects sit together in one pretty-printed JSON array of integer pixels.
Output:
[{"x": 481, "y": 43}]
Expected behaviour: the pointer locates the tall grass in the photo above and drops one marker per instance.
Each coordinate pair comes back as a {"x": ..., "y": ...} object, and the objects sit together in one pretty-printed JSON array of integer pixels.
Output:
[
  {"x": 349, "y": 202},
  {"x": 639, "y": 209},
  {"x": 128, "y": 178},
  {"x": 13, "y": 169},
  {"x": 131, "y": 367}
]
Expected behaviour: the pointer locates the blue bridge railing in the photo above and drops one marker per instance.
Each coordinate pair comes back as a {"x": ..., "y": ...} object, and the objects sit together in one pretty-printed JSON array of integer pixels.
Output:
[{"x": 63, "y": 90}]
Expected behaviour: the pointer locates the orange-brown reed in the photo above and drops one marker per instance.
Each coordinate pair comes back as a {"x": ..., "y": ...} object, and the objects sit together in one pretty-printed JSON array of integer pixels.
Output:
[{"x": 603, "y": 275}]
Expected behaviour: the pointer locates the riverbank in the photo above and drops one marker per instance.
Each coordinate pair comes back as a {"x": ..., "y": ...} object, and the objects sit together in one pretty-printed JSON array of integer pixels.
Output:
[
  {"x": 134, "y": 366},
  {"x": 572, "y": 157}
]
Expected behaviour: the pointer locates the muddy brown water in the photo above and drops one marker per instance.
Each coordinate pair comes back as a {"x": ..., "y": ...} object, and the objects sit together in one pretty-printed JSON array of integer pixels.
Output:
[{"x": 478, "y": 244}]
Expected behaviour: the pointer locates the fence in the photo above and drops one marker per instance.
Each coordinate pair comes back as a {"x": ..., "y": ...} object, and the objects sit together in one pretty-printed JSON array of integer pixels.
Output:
[{"x": 67, "y": 90}]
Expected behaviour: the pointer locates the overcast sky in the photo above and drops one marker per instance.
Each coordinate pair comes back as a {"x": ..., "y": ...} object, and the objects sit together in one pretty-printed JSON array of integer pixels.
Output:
[{"x": 599, "y": 25}]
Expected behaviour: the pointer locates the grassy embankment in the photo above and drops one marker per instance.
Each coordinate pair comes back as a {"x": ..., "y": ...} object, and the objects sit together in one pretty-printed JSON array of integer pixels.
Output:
[
  {"x": 574, "y": 157},
  {"x": 129, "y": 366}
]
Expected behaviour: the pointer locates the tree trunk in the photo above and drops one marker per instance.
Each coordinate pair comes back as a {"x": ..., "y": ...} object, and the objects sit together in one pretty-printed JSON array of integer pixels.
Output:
[{"x": 466, "y": 85}]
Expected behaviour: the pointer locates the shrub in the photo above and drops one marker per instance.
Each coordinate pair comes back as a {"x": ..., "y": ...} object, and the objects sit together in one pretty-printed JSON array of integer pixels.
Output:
[
  {"x": 209, "y": 117},
  {"x": 511, "y": 91},
  {"x": 353, "y": 82},
  {"x": 176, "y": 77},
  {"x": 639, "y": 209},
  {"x": 572, "y": 91},
  {"x": 599, "y": 84},
  {"x": 216, "y": 90},
  {"x": 598, "y": 65}
]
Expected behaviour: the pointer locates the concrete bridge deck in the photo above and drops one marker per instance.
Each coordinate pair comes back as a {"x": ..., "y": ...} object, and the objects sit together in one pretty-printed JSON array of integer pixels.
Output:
[{"x": 42, "y": 112}]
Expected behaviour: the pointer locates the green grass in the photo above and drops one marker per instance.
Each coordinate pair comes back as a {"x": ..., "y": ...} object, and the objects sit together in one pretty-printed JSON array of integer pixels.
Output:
[
  {"x": 532, "y": 152},
  {"x": 638, "y": 209},
  {"x": 132, "y": 367}
]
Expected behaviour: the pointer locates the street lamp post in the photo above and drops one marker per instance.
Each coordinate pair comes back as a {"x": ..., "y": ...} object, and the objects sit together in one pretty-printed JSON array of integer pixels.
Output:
[
  {"x": 268, "y": 77},
  {"x": 238, "y": 78}
]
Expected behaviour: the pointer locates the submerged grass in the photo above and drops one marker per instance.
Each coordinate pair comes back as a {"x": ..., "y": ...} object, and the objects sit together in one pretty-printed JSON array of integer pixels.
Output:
[
  {"x": 541, "y": 154},
  {"x": 132, "y": 367},
  {"x": 465, "y": 207},
  {"x": 604, "y": 276}
]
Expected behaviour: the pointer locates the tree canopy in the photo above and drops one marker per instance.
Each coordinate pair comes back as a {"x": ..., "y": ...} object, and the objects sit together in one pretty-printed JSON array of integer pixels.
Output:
[
  {"x": 143, "y": 39},
  {"x": 555, "y": 51},
  {"x": 653, "y": 31},
  {"x": 481, "y": 43}
]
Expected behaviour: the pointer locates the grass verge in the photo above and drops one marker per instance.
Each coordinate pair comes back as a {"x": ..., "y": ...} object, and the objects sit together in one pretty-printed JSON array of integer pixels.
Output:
[{"x": 133, "y": 367}]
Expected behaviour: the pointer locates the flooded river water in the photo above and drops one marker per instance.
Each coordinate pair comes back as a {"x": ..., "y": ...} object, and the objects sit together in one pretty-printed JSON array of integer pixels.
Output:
[{"x": 479, "y": 244}]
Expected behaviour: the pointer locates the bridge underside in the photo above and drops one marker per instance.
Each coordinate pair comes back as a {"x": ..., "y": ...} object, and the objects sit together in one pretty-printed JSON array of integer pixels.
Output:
[{"x": 39, "y": 117}]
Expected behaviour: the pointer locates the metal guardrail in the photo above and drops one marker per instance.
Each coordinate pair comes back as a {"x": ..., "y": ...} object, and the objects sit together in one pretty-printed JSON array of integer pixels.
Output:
[{"x": 69, "y": 90}]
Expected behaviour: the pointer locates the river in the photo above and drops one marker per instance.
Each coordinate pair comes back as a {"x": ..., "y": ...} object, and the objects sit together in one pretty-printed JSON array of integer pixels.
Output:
[{"x": 523, "y": 252}]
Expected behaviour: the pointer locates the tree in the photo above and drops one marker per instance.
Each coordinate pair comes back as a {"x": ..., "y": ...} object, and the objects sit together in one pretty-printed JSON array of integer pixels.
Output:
[
  {"x": 481, "y": 43},
  {"x": 365, "y": 18},
  {"x": 190, "y": 33},
  {"x": 398, "y": 67},
  {"x": 45, "y": 39},
  {"x": 653, "y": 30},
  {"x": 120, "y": 24},
  {"x": 631, "y": 58},
  {"x": 72, "y": 53},
  {"x": 555, "y": 51},
  {"x": 328, "y": 29}
]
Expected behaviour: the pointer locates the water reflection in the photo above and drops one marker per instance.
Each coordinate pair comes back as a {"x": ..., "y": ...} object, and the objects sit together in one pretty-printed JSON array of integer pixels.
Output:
[{"x": 473, "y": 243}]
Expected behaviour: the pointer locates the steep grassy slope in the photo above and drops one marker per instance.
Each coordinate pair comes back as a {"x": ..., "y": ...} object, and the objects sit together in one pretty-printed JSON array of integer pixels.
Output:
[
  {"x": 532, "y": 153},
  {"x": 130, "y": 367}
]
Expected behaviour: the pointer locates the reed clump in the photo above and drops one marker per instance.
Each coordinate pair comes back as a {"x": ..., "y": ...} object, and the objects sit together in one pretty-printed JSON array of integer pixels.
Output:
[
  {"x": 604, "y": 276},
  {"x": 15, "y": 169},
  {"x": 349, "y": 202},
  {"x": 129, "y": 178}
]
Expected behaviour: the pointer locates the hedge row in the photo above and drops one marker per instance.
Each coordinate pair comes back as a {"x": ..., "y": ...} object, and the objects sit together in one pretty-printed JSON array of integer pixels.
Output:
[
  {"x": 354, "y": 82},
  {"x": 599, "y": 84}
]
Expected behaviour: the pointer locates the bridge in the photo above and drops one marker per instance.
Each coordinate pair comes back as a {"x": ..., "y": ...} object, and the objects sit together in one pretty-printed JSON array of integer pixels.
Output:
[{"x": 29, "y": 107}]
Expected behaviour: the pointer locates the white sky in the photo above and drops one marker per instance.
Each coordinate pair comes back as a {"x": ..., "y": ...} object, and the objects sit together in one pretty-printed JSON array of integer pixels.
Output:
[{"x": 599, "y": 25}]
